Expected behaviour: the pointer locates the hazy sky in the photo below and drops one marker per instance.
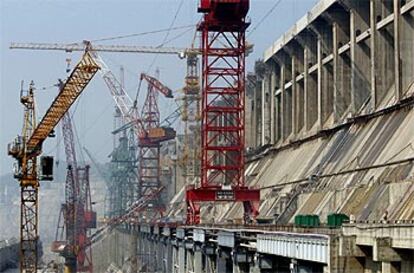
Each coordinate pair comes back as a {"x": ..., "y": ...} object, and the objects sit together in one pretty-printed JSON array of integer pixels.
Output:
[{"x": 67, "y": 21}]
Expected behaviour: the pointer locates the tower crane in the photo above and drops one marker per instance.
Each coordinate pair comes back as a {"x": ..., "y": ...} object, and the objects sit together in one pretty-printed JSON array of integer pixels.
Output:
[
  {"x": 27, "y": 148},
  {"x": 149, "y": 153},
  {"x": 125, "y": 105},
  {"x": 181, "y": 52},
  {"x": 223, "y": 47},
  {"x": 76, "y": 217}
]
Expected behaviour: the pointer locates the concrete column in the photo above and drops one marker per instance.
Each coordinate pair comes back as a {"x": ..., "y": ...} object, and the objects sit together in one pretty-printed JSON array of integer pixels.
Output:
[
  {"x": 221, "y": 265},
  {"x": 295, "y": 97},
  {"x": 167, "y": 257},
  {"x": 336, "y": 76},
  {"x": 189, "y": 257},
  {"x": 224, "y": 262},
  {"x": 175, "y": 260},
  {"x": 133, "y": 252},
  {"x": 160, "y": 254},
  {"x": 198, "y": 260},
  {"x": 306, "y": 89},
  {"x": 283, "y": 103},
  {"x": 151, "y": 257},
  {"x": 181, "y": 259},
  {"x": 241, "y": 267},
  {"x": 210, "y": 263},
  {"x": 272, "y": 90},
  {"x": 353, "y": 57},
  {"x": 258, "y": 113},
  {"x": 388, "y": 267},
  {"x": 255, "y": 268},
  {"x": 397, "y": 49},
  {"x": 265, "y": 112},
  {"x": 320, "y": 89},
  {"x": 373, "y": 42}
]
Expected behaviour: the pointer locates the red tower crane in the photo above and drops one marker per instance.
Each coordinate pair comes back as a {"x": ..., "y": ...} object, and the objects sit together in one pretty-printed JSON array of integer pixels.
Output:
[
  {"x": 223, "y": 49},
  {"x": 76, "y": 216},
  {"x": 150, "y": 140}
]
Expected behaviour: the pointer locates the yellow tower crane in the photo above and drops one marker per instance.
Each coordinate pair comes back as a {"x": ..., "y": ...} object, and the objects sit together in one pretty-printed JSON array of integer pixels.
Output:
[{"x": 27, "y": 148}]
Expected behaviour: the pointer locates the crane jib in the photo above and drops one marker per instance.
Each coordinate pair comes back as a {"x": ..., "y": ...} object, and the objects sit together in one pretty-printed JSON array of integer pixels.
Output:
[{"x": 72, "y": 88}]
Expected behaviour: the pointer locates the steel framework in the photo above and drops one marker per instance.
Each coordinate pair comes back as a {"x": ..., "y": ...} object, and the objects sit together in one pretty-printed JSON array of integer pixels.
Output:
[
  {"x": 149, "y": 153},
  {"x": 28, "y": 147},
  {"x": 190, "y": 158},
  {"x": 123, "y": 190},
  {"x": 76, "y": 213},
  {"x": 223, "y": 47}
]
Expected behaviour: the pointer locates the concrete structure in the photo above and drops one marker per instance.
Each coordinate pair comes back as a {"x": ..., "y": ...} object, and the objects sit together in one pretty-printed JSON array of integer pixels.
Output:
[{"x": 331, "y": 131}]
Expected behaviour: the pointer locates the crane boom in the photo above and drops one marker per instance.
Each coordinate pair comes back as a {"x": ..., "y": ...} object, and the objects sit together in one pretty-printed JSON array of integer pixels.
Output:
[
  {"x": 167, "y": 92},
  {"x": 104, "y": 48},
  {"x": 26, "y": 148},
  {"x": 73, "y": 87}
]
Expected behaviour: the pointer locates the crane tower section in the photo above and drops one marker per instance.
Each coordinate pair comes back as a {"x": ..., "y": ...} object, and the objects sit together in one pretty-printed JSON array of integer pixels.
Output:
[
  {"x": 223, "y": 48},
  {"x": 27, "y": 147}
]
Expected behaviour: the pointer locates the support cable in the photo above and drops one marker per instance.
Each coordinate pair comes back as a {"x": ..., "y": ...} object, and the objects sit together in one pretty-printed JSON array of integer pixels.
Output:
[{"x": 264, "y": 17}]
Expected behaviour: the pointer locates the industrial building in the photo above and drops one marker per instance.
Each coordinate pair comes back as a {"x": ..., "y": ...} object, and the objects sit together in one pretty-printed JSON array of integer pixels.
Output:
[{"x": 305, "y": 164}]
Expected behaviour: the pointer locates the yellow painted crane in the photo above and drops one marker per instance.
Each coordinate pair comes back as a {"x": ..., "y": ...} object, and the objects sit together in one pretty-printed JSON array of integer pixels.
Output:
[{"x": 27, "y": 148}]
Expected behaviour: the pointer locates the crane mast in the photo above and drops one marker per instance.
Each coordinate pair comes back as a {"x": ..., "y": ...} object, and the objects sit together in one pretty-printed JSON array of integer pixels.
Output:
[
  {"x": 223, "y": 47},
  {"x": 150, "y": 143},
  {"x": 76, "y": 213},
  {"x": 27, "y": 147}
]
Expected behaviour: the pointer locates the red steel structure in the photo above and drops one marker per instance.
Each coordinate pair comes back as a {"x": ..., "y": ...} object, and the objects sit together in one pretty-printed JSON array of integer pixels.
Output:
[
  {"x": 150, "y": 143},
  {"x": 76, "y": 217},
  {"x": 223, "y": 49}
]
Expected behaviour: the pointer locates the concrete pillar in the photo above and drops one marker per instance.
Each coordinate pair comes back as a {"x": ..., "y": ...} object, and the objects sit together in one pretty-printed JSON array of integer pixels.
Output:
[
  {"x": 295, "y": 97},
  {"x": 255, "y": 268},
  {"x": 209, "y": 258},
  {"x": 210, "y": 266},
  {"x": 373, "y": 47},
  {"x": 337, "y": 92},
  {"x": 353, "y": 66},
  {"x": 265, "y": 112},
  {"x": 283, "y": 103},
  {"x": 272, "y": 89},
  {"x": 240, "y": 268},
  {"x": 160, "y": 254},
  {"x": 175, "y": 260},
  {"x": 181, "y": 259},
  {"x": 306, "y": 88},
  {"x": 152, "y": 257},
  {"x": 198, "y": 260},
  {"x": 397, "y": 49},
  {"x": 388, "y": 267},
  {"x": 189, "y": 257},
  {"x": 133, "y": 252},
  {"x": 224, "y": 262},
  {"x": 319, "y": 83}
]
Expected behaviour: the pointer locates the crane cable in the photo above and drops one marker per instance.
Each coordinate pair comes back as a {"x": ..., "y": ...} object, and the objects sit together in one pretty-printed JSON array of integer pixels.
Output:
[
  {"x": 142, "y": 33},
  {"x": 265, "y": 16},
  {"x": 168, "y": 33}
]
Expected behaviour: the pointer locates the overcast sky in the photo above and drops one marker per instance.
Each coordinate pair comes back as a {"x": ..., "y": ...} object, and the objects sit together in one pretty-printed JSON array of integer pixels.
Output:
[{"x": 66, "y": 21}]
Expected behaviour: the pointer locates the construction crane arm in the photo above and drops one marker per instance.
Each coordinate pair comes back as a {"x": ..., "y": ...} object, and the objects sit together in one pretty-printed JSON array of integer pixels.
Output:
[
  {"x": 72, "y": 88},
  {"x": 104, "y": 48},
  {"x": 129, "y": 215},
  {"x": 171, "y": 118},
  {"x": 167, "y": 122},
  {"x": 167, "y": 92}
]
